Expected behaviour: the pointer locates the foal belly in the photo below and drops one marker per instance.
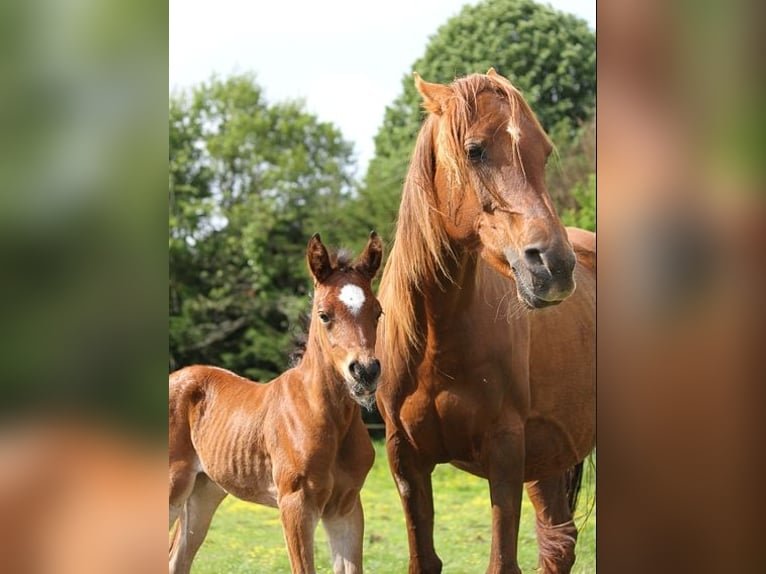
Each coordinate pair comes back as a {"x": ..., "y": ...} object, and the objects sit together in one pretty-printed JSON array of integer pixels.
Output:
[
  {"x": 246, "y": 476},
  {"x": 260, "y": 491}
]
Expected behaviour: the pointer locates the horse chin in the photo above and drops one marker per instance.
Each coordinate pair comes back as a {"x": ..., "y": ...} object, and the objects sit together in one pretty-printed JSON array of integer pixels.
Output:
[
  {"x": 529, "y": 298},
  {"x": 532, "y": 301}
]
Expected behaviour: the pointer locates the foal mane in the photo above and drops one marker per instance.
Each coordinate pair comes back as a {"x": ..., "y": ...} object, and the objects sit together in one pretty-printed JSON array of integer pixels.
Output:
[{"x": 421, "y": 249}]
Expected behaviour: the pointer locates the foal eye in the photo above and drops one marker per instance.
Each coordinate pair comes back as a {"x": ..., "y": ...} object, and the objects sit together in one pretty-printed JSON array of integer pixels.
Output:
[
  {"x": 324, "y": 317},
  {"x": 475, "y": 152}
]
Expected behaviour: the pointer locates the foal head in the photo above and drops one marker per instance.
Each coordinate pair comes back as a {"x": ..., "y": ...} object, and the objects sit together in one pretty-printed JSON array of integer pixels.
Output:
[
  {"x": 488, "y": 162},
  {"x": 345, "y": 314}
]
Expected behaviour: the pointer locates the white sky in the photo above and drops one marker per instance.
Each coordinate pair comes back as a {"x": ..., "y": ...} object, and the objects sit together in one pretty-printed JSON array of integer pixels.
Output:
[{"x": 344, "y": 58}]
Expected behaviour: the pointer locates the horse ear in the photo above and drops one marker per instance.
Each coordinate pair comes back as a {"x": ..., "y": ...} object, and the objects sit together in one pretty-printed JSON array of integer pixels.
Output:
[
  {"x": 318, "y": 259},
  {"x": 435, "y": 96},
  {"x": 371, "y": 257},
  {"x": 492, "y": 73}
]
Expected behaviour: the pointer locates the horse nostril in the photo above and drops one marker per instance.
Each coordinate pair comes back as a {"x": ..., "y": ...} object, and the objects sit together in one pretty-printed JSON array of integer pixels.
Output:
[{"x": 355, "y": 368}]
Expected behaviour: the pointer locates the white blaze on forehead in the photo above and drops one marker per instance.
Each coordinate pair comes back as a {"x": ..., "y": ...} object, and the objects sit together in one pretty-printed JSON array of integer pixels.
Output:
[
  {"x": 352, "y": 297},
  {"x": 513, "y": 129}
]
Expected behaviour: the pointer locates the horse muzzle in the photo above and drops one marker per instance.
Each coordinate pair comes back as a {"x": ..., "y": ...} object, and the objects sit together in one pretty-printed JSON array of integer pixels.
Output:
[{"x": 543, "y": 278}]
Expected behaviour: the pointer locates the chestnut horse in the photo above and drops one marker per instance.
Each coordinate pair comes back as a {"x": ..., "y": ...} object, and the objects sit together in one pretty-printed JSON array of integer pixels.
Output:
[
  {"x": 297, "y": 443},
  {"x": 488, "y": 350}
]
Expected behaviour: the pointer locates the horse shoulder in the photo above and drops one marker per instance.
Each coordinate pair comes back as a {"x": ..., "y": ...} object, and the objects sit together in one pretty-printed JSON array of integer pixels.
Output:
[{"x": 584, "y": 245}]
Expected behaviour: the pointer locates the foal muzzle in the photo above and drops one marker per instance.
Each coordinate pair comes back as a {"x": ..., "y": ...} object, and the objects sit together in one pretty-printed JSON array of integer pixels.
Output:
[{"x": 363, "y": 380}]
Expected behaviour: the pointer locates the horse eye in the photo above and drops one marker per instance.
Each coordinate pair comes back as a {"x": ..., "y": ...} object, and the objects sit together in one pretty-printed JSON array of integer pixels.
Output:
[
  {"x": 475, "y": 152},
  {"x": 324, "y": 317}
]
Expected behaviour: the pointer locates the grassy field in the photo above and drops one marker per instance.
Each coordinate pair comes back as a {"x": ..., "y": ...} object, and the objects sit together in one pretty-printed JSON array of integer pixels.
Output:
[{"x": 247, "y": 538}]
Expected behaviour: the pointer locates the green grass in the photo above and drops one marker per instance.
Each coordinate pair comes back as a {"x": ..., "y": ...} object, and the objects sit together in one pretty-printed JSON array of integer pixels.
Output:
[{"x": 246, "y": 538}]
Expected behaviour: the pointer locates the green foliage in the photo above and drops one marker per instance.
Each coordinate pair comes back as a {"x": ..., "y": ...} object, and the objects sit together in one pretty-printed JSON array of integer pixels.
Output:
[
  {"x": 584, "y": 215},
  {"x": 246, "y": 537},
  {"x": 571, "y": 177},
  {"x": 249, "y": 183},
  {"x": 549, "y": 55}
]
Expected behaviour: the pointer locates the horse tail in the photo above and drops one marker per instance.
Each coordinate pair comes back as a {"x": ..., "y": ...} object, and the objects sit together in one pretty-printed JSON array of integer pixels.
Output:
[{"x": 573, "y": 477}]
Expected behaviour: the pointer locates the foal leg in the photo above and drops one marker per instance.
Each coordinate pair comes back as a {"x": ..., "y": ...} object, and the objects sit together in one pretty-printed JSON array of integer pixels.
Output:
[
  {"x": 413, "y": 480},
  {"x": 194, "y": 523},
  {"x": 346, "y": 537},
  {"x": 299, "y": 521},
  {"x": 183, "y": 461},
  {"x": 182, "y": 476},
  {"x": 556, "y": 532}
]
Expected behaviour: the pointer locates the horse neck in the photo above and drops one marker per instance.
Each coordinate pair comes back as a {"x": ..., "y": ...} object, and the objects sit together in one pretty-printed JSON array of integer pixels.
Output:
[
  {"x": 415, "y": 305},
  {"x": 455, "y": 287}
]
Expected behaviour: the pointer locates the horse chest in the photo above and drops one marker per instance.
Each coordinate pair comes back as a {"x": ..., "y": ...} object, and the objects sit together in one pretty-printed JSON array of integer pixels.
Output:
[
  {"x": 469, "y": 341},
  {"x": 448, "y": 418}
]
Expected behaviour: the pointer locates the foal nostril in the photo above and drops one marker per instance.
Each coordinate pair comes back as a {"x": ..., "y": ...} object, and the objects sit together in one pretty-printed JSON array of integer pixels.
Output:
[
  {"x": 365, "y": 374},
  {"x": 533, "y": 255}
]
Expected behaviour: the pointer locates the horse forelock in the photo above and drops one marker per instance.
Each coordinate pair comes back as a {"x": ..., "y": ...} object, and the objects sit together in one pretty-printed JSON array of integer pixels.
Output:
[
  {"x": 342, "y": 260},
  {"x": 462, "y": 113}
]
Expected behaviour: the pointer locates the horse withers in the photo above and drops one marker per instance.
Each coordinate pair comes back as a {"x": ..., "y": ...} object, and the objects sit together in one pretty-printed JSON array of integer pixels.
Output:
[
  {"x": 488, "y": 337},
  {"x": 297, "y": 443}
]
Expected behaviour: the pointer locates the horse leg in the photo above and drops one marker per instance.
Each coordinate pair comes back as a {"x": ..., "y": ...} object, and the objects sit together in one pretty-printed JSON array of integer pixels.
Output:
[
  {"x": 346, "y": 536},
  {"x": 194, "y": 523},
  {"x": 505, "y": 465},
  {"x": 556, "y": 532},
  {"x": 413, "y": 480},
  {"x": 299, "y": 520}
]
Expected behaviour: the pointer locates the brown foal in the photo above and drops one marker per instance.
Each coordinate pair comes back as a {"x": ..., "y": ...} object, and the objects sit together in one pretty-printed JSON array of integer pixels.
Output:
[{"x": 297, "y": 443}]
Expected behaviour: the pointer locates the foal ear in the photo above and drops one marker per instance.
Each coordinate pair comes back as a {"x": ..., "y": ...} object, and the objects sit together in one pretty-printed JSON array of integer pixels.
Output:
[
  {"x": 435, "y": 96},
  {"x": 318, "y": 259},
  {"x": 369, "y": 260}
]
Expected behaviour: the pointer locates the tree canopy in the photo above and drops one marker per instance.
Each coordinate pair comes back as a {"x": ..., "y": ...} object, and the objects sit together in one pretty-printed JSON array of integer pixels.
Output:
[{"x": 250, "y": 182}]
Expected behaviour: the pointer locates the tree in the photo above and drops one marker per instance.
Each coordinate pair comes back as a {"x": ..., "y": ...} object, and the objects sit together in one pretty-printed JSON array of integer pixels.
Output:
[
  {"x": 550, "y": 56},
  {"x": 249, "y": 183},
  {"x": 571, "y": 176}
]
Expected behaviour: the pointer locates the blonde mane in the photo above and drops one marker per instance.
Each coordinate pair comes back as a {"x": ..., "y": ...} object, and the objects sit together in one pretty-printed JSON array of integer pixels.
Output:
[{"x": 421, "y": 249}]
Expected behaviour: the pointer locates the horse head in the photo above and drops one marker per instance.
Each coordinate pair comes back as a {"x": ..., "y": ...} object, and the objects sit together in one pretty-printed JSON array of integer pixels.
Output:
[{"x": 488, "y": 166}]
